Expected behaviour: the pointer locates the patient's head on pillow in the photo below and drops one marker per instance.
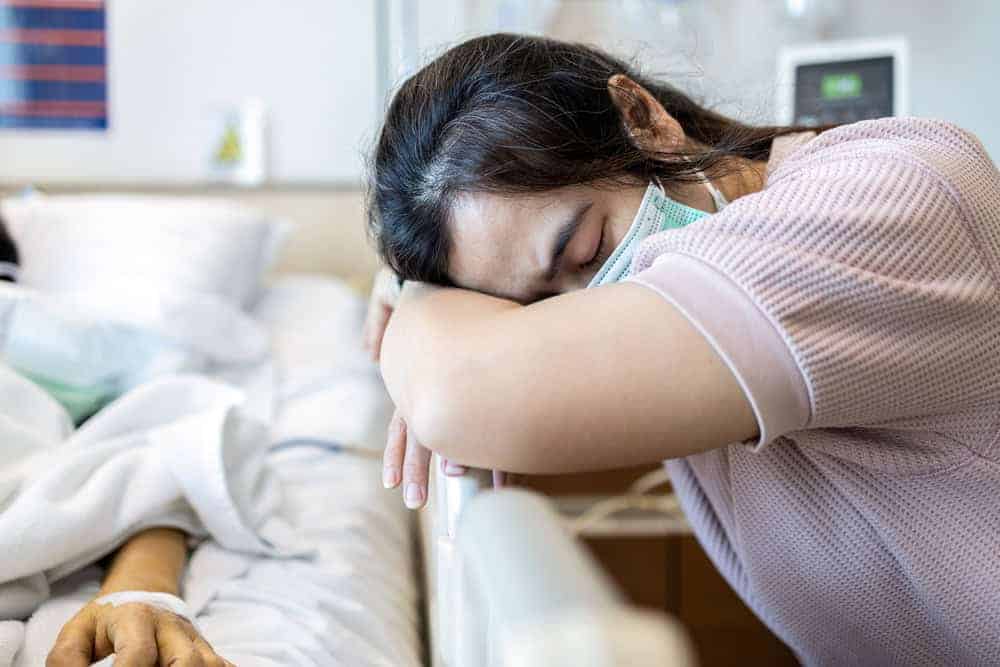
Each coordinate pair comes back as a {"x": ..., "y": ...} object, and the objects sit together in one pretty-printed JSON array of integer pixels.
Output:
[{"x": 8, "y": 254}]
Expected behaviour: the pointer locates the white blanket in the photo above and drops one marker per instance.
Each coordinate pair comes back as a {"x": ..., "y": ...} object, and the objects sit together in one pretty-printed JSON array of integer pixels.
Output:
[
  {"x": 269, "y": 583},
  {"x": 177, "y": 451}
]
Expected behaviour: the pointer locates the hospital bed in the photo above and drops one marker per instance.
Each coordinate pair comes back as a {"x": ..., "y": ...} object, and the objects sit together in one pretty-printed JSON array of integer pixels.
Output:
[{"x": 480, "y": 578}]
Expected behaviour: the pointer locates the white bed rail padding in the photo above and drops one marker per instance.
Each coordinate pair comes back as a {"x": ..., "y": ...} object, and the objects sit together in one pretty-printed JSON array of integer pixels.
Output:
[
  {"x": 454, "y": 637},
  {"x": 617, "y": 636},
  {"x": 532, "y": 597}
]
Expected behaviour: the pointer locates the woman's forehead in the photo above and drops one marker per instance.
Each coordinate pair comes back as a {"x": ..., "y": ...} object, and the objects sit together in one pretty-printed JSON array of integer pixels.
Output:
[{"x": 499, "y": 241}]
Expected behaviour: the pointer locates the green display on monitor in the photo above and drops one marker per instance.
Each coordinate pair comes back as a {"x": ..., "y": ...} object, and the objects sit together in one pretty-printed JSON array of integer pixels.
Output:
[{"x": 841, "y": 85}]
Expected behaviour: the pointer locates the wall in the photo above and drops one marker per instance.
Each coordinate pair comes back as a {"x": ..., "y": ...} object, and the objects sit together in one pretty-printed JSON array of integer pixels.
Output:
[
  {"x": 724, "y": 52},
  {"x": 175, "y": 65},
  {"x": 954, "y": 55}
]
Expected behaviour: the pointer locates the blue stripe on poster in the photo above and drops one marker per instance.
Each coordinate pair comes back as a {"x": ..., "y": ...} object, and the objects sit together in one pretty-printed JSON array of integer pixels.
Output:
[
  {"x": 43, "y": 91},
  {"x": 43, "y": 123},
  {"x": 34, "y": 18},
  {"x": 43, "y": 54}
]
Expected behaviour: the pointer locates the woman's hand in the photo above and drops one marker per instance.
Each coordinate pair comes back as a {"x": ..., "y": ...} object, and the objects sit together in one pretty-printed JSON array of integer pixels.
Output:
[
  {"x": 139, "y": 635},
  {"x": 381, "y": 304},
  {"x": 407, "y": 462}
]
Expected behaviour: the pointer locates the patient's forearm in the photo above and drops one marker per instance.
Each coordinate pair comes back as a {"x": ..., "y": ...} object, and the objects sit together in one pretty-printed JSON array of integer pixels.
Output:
[{"x": 150, "y": 561}]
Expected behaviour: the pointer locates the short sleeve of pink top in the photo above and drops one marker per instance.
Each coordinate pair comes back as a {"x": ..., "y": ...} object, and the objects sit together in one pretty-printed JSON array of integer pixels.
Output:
[{"x": 857, "y": 300}]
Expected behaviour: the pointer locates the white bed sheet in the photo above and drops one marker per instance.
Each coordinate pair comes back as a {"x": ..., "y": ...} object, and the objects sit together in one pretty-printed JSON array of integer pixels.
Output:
[{"x": 356, "y": 602}]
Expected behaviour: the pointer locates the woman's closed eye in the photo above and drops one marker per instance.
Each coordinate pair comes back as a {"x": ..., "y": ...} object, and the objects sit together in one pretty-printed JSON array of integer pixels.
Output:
[{"x": 601, "y": 252}]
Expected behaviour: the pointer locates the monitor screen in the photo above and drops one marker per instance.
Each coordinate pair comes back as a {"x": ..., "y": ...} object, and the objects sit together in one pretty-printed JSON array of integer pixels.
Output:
[{"x": 843, "y": 91}]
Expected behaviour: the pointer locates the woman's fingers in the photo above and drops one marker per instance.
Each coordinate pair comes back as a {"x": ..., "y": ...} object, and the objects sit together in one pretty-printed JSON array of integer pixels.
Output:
[
  {"x": 416, "y": 469},
  {"x": 452, "y": 469},
  {"x": 395, "y": 449},
  {"x": 74, "y": 645},
  {"x": 405, "y": 462},
  {"x": 133, "y": 634}
]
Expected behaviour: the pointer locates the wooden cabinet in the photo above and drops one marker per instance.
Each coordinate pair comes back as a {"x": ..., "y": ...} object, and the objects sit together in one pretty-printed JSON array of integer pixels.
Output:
[{"x": 674, "y": 574}]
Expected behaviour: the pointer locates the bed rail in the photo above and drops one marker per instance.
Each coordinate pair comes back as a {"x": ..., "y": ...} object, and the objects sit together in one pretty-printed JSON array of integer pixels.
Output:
[{"x": 509, "y": 587}]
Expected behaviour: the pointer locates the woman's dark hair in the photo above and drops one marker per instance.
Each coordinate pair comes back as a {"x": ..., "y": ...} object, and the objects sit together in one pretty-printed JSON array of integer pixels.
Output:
[{"x": 514, "y": 114}]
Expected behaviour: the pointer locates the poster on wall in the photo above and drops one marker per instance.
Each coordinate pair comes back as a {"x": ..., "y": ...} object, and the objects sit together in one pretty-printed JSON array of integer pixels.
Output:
[{"x": 53, "y": 65}]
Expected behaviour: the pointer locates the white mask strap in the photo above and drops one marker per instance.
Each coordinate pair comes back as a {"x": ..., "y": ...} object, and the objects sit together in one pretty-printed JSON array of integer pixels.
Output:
[{"x": 717, "y": 197}]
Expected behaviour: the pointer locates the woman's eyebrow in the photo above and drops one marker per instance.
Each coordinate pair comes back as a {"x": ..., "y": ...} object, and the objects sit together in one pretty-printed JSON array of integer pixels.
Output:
[{"x": 563, "y": 238}]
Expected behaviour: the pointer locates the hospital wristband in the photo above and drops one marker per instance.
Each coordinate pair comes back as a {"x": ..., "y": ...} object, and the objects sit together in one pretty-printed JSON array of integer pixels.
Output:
[{"x": 164, "y": 601}]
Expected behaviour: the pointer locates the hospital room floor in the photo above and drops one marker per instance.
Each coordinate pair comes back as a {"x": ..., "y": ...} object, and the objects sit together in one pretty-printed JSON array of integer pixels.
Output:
[{"x": 673, "y": 574}]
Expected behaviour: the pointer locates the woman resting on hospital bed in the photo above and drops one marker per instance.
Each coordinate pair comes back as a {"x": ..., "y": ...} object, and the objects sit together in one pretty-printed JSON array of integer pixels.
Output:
[{"x": 143, "y": 632}]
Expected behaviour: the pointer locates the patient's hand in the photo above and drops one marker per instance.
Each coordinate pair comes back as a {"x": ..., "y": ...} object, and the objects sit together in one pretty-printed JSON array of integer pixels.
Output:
[{"x": 139, "y": 635}]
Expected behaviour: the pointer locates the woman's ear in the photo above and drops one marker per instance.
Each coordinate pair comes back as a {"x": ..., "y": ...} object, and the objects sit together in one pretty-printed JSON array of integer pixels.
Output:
[{"x": 650, "y": 128}]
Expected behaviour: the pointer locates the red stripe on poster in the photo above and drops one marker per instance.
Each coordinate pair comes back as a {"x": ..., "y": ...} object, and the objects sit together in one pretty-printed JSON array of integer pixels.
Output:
[
  {"x": 54, "y": 37},
  {"x": 55, "y": 109},
  {"x": 52, "y": 73}
]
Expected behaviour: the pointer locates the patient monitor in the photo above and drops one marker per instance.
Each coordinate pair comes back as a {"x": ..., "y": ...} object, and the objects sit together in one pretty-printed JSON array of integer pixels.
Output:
[{"x": 842, "y": 82}]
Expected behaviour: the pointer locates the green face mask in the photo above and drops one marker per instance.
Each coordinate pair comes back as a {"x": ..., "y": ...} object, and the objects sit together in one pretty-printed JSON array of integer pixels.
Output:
[
  {"x": 83, "y": 364},
  {"x": 79, "y": 401},
  {"x": 657, "y": 213}
]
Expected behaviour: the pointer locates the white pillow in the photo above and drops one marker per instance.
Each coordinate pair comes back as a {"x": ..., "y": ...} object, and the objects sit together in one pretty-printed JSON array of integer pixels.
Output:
[
  {"x": 165, "y": 245},
  {"x": 314, "y": 324}
]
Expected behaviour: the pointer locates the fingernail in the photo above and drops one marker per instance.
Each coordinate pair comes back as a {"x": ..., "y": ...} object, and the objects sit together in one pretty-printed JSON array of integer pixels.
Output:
[
  {"x": 414, "y": 495},
  {"x": 454, "y": 469},
  {"x": 390, "y": 477}
]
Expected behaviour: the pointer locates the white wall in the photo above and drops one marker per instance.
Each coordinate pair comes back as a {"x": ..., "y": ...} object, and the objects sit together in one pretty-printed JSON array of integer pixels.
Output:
[
  {"x": 725, "y": 52},
  {"x": 954, "y": 57},
  {"x": 174, "y": 65}
]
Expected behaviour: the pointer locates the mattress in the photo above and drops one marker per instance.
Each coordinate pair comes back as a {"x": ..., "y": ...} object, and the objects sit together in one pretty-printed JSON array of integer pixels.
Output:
[{"x": 356, "y": 600}]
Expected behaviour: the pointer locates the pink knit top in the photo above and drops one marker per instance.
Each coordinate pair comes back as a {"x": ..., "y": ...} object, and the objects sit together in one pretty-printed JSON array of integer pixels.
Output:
[{"x": 857, "y": 300}]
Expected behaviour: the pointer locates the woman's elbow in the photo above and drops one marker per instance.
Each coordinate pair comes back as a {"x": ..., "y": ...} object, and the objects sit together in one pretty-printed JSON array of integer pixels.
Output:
[{"x": 437, "y": 416}]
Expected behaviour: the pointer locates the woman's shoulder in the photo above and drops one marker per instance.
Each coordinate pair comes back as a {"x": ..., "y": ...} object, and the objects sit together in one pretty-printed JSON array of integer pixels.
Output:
[
  {"x": 915, "y": 154},
  {"x": 942, "y": 148}
]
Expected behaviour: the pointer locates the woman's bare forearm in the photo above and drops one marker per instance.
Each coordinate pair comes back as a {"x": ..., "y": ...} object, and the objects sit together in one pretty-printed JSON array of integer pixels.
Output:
[
  {"x": 423, "y": 336},
  {"x": 594, "y": 379},
  {"x": 152, "y": 560}
]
